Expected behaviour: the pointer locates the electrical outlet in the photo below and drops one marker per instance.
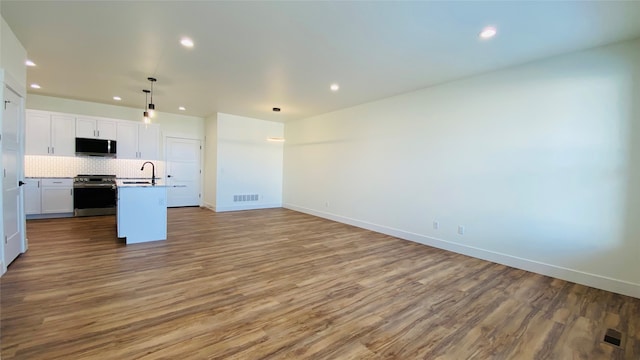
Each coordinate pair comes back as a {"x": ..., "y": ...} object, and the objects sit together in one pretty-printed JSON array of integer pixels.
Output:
[
  {"x": 460, "y": 229},
  {"x": 436, "y": 225}
]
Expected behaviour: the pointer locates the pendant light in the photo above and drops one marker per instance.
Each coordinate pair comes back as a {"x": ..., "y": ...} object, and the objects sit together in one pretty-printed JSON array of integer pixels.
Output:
[
  {"x": 147, "y": 118},
  {"x": 152, "y": 106}
]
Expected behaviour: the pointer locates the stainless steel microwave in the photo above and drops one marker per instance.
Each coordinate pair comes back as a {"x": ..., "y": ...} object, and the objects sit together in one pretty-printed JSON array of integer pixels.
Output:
[{"x": 95, "y": 147}]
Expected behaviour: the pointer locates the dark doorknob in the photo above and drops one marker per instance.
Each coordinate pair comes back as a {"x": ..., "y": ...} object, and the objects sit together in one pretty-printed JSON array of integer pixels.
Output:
[
  {"x": 20, "y": 183},
  {"x": 168, "y": 175}
]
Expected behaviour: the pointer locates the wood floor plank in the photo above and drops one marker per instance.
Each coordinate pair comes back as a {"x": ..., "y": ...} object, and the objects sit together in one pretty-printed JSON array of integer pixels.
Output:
[{"x": 278, "y": 284}]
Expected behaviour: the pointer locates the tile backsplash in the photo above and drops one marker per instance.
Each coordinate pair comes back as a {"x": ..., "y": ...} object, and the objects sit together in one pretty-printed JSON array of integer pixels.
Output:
[{"x": 65, "y": 166}]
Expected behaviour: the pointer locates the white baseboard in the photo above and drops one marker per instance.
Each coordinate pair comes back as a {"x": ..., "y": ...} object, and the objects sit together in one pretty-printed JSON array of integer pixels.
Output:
[
  {"x": 209, "y": 206},
  {"x": 48, "y": 216},
  {"x": 246, "y": 207},
  {"x": 576, "y": 276}
]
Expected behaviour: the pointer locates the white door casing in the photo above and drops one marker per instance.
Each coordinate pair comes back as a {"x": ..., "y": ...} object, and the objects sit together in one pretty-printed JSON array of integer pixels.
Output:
[
  {"x": 13, "y": 216},
  {"x": 183, "y": 172}
]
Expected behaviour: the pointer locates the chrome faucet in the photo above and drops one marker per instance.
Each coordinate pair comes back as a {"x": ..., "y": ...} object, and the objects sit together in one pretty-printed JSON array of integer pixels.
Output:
[{"x": 153, "y": 171}]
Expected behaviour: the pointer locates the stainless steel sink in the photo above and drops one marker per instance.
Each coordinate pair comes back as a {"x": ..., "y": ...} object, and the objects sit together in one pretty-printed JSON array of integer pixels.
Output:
[{"x": 136, "y": 182}]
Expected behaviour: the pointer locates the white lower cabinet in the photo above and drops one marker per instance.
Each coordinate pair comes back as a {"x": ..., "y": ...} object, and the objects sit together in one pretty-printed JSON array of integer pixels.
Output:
[
  {"x": 32, "y": 204},
  {"x": 48, "y": 196},
  {"x": 142, "y": 213}
]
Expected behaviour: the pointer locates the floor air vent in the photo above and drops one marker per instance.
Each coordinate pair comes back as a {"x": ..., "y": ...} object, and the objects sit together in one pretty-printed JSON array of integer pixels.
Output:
[
  {"x": 249, "y": 197},
  {"x": 613, "y": 337}
]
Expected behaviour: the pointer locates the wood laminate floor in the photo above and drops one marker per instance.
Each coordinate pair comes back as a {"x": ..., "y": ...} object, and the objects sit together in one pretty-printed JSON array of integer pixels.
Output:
[{"x": 277, "y": 284}]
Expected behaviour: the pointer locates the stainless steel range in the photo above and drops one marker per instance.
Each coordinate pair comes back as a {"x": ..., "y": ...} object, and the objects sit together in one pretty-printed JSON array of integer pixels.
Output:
[{"x": 94, "y": 195}]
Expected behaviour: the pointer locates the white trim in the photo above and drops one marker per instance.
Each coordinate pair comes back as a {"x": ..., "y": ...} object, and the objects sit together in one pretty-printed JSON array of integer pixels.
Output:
[
  {"x": 3, "y": 269},
  {"x": 577, "y": 276},
  {"x": 49, "y": 216},
  {"x": 209, "y": 206},
  {"x": 246, "y": 207},
  {"x": 15, "y": 85}
]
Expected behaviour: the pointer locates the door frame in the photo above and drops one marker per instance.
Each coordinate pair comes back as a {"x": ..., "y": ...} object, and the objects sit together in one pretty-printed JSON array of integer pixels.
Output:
[
  {"x": 6, "y": 80},
  {"x": 166, "y": 161}
]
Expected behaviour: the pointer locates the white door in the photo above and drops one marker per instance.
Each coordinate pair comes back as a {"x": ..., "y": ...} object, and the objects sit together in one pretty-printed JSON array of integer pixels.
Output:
[
  {"x": 12, "y": 163},
  {"x": 183, "y": 172}
]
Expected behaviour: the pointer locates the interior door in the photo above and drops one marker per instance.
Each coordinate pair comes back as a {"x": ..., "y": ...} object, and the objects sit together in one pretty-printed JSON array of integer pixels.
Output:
[
  {"x": 183, "y": 172},
  {"x": 12, "y": 212}
]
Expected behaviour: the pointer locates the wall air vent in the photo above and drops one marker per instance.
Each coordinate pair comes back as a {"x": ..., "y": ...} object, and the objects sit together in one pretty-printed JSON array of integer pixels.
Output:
[
  {"x": 246, "y": 197},
  {"x": 613, "y": 337}
]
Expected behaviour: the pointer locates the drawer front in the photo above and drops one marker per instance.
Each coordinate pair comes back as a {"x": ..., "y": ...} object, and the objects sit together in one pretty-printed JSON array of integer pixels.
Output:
[{"x": 57, "y": 182}]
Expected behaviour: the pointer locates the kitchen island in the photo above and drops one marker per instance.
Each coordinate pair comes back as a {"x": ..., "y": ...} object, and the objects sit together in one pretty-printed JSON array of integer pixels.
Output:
[{"x": 141, "y": 211}]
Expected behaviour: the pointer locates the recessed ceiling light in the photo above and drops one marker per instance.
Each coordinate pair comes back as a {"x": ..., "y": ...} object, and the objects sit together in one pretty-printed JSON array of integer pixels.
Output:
[
  {"x": 182, "y": 108},
  {"x": 117, "y": 98},
  {"x": 186, "y": 42},
  {"x": 334, "y": 87},
  {"x": 488, "y": 32},
  {"x": 29, "y": 63},
  {"x": 35, "y": 86}
]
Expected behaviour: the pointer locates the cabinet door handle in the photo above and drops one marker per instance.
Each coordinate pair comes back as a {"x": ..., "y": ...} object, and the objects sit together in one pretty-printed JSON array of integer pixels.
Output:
[
  {"x": 38, "y": 183},
  {"x": 48, "y": 151},
  {"x": 98, "y": 133},
  {"x": 71, "y": 192},
  {"x": 53, "y": 150},
  {"x": 57, "y": 182}
]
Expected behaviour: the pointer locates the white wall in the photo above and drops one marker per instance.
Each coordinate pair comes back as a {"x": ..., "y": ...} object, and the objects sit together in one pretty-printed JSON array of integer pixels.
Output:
[
  {"x": 247, "y": 163},
  {"x": 540, "y": 163},
  {"x": 210, "y": 161}
]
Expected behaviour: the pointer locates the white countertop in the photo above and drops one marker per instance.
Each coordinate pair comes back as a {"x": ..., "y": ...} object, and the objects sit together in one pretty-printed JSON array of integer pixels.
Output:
[{"x": 122, "y": 183}]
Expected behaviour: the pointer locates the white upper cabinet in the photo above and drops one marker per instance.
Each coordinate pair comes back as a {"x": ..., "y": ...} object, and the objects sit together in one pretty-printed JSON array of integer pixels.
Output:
[
  {"x": 63, "y": 138},
  {"x": 49, "y": 134},
  {"x": 94, "y": 128},
  {"x": 138, "y": 141},
  {"x": 127, "y": 140},
  {"x": 37, "y": 133},
  {"x": 149, "y": 141}
]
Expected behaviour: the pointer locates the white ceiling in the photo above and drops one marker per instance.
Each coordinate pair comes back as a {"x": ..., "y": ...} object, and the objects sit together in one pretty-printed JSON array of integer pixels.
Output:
[{"x": 252, "y": 56}]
